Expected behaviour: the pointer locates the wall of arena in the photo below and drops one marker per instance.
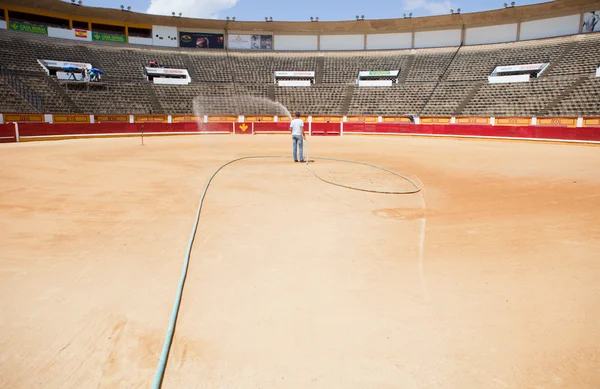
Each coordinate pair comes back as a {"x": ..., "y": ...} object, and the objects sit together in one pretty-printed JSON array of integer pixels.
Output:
[
  {"x": 552, "y": 19},
  {"x": 27, "y": 127}
]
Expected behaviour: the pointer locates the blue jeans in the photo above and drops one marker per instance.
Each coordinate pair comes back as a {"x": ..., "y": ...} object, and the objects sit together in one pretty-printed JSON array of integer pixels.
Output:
[{"x": 299, "y": 142}]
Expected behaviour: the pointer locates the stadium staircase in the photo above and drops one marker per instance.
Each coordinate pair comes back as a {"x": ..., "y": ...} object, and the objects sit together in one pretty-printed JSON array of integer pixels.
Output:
[
  {"x": 440, "y": 78},
  {"x": 31, "y": 100},
  {"x": 557, "y": 100},
  {"x": 271, "y": 92},
  {"x": 404, "y": 72},
  {"x": 566, "y": 52},
  {"x": 190, "y": 68},
  {"x": 91, "y": 57},
  {"x": 59, "y": 91},
  {"x": 468, "y": 98},
  {"x": 320, "y": 69},
  {"x": 347, "y": 99},
  {"x": 156, "y": 108}
]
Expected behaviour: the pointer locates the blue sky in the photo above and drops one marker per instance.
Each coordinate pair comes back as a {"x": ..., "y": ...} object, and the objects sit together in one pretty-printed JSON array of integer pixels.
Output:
[{"x": 302, "y": 10}]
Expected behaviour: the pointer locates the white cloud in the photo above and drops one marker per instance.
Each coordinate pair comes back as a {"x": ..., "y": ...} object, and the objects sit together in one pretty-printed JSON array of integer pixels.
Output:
[
  {"x": 431, "y": 7},
  {"x": 208, "y": 9}
]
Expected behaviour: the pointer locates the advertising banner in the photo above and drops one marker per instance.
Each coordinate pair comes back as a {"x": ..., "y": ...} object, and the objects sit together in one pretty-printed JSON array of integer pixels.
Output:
[
  {"x": 166, "y": 71},
  {"x": 590, "y": 21},
  {"x": 201, "y": 40},
  {"x": 101, "y": 36},
  {"x": 250, "y": 42},
  {"x": 26, "y": 27},
  {"x": 294, "y": 74},
  {"x": 386, "y": 73},
  {"x": 519, "y": 68},
  {"x": 57, "y": 65}
]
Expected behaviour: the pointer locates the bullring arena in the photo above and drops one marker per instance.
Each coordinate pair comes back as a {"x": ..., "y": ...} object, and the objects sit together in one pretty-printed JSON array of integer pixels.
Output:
[{"x": 466, "y": 259}]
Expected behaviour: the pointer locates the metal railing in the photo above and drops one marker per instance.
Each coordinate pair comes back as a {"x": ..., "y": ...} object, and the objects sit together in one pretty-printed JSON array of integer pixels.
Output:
[{"x": 23, "y": 90}]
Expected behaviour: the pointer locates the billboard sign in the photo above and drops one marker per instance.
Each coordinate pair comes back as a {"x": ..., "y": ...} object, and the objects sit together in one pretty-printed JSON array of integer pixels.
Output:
[
  {"x": 520, "y": 68},
  {"x": 105, "y": 37},
  {"x": 385, "y": 73},
  {"x": 294, "y": 74},
  {"x": 250, "y": 42},
  {"x": 165, "y": 71},
  {"x": 201, "y": 40},
  {"x": 591, "y": 21},
  {"x": 27, "y": 27},
  {"x": 57, "y": 65}
]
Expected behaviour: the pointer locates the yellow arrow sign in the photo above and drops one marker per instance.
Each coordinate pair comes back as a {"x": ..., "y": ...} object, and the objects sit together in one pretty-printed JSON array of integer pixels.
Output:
[{"x": 243, "y": 126}]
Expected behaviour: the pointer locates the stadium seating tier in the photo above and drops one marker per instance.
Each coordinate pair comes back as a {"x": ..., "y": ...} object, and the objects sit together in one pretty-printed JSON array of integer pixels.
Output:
[{"x": 438, "y": 81}]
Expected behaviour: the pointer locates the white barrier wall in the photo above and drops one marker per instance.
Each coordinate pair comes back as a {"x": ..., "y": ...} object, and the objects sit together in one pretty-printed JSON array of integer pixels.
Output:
[
  {"x": 491, "y": 34},
  {"x": 75, "y": 34},
  {"x": 164, "y": 36},
  {"x": 342, "y": 42},
  {"x": 389, "y": 41},
  {"x": 546, "y": 28},
  {"x": 3, "y": 24},
  {"x": 295, "y": 42},
  {"x": 437, "y": 38},
  {"x": 140, "y": 41}
]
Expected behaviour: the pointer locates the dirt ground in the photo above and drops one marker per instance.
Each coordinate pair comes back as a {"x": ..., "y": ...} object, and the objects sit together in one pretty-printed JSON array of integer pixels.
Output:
[{"x": 295, "y": 283}]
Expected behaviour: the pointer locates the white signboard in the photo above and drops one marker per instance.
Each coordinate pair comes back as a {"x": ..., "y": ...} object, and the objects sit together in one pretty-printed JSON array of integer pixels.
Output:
[
  {"x": 170, "y": 81},
  {"x": 520, "y": 68},
  {"x": 164, "y": 36},
  {"x": 294, "y": 74},
  {"x": 293, "y": 83},
  {"x": 386, "y": 73},
  {"x": 591, "y": 21},
  {"x": 63, "y": 64},
  {"x": 375, "y": 83},
  {"x": 74, "y": 34},
  {"x": 509, "y": 79},
  {"x": 168, "y": 76},
  {"x": 165, "y": 71}
]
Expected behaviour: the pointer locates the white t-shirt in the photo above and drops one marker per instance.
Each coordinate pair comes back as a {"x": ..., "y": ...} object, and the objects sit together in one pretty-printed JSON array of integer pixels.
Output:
[{"x": 296, "y": 125}]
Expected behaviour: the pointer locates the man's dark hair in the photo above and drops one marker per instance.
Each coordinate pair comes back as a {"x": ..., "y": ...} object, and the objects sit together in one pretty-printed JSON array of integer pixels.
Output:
[{"x": 297, "y": 114}]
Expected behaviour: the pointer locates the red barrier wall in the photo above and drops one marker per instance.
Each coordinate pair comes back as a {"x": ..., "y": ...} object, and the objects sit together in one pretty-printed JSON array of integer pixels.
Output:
[
  {"x": 242, "y": 128},
  {"x": 533, "y": 132},
  {"x": 7, "y": 133},
  {"x": 44, "y": 129},
  {"x": 325, "y": 129},
  {"x": 264, "y": 127}
]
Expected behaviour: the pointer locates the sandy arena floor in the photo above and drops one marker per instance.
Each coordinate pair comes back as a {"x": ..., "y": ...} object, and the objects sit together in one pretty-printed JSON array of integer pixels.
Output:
[{"x": 295, "y": 283}]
